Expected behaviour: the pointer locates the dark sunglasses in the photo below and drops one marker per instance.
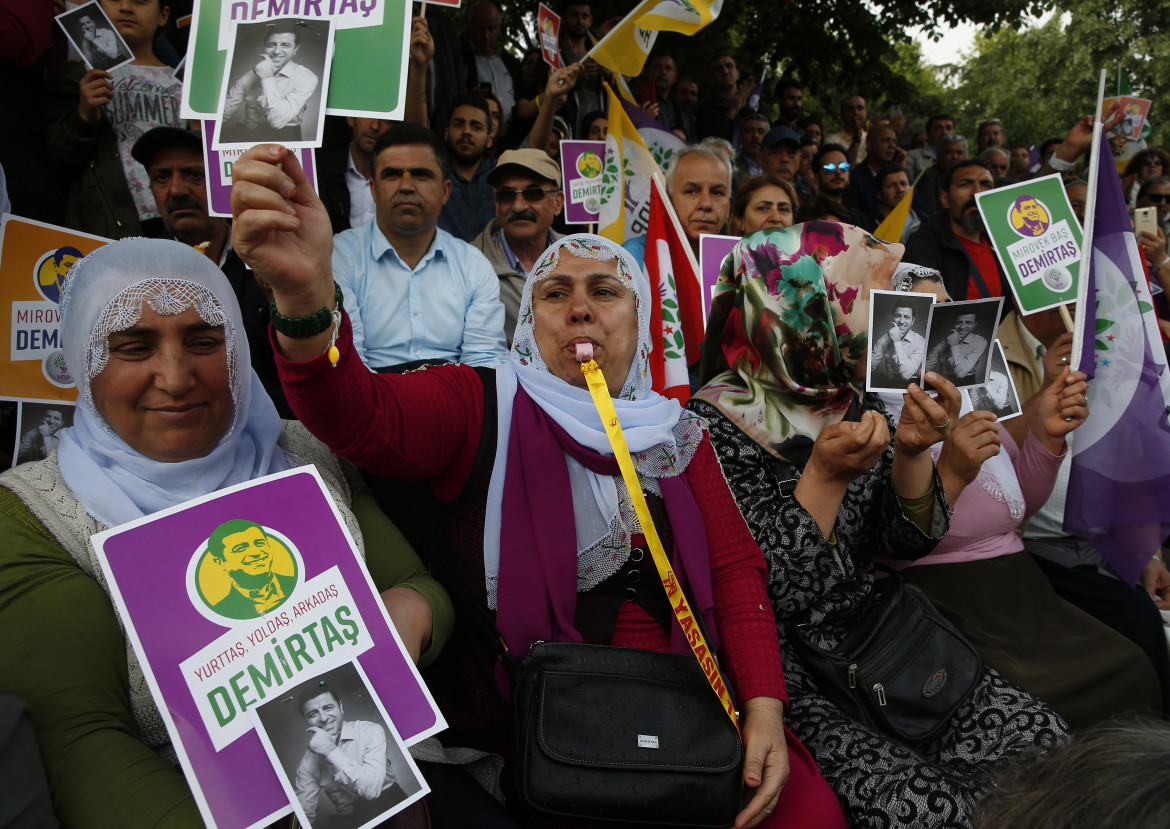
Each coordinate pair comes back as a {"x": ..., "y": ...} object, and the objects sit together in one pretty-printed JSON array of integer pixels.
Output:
[
  {"x": 532, "y": 195},
  {"x": 830, "y": 167},
  {"x": 1158, "y": 198}
]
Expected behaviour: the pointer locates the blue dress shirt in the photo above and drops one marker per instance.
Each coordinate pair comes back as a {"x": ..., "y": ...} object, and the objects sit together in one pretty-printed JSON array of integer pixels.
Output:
[{"x": 447, "y": 308}]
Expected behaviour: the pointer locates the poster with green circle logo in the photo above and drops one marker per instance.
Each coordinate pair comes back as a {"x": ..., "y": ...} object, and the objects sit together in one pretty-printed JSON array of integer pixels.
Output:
[
  {"x": 246, "y": 570},
  {"x": 582, "y": 165},
  {"x": 1037, "y": 238}
]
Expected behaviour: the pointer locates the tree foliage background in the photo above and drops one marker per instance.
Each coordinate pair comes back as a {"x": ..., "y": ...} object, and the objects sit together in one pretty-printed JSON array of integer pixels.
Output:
[{"x": 1038, "y": 79}]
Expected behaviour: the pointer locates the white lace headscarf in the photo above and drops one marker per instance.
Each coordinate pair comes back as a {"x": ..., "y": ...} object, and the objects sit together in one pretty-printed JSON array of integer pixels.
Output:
[
  {"x": 106, "y": 293},
  {"x": 662, "y": 437},
  {"x": 997, "y": 476}
]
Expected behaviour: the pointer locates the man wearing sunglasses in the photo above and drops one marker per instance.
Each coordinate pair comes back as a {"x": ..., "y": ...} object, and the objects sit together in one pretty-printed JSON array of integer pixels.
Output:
[
  {"x": 832, "y": 171},
  {"x": 527, "y": 193}
]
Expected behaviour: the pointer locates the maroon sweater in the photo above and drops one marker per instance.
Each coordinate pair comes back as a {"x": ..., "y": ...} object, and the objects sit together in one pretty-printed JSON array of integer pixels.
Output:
[{"x": 428, "y": 425}]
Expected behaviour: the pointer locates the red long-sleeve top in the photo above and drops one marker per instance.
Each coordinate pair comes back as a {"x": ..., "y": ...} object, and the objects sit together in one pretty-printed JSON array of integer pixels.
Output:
[{"x": 428, "y": 425}]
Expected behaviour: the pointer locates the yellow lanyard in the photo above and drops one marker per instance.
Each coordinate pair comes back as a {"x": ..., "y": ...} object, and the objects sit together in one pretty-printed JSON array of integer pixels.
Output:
[{"x": 682, "y": 610}]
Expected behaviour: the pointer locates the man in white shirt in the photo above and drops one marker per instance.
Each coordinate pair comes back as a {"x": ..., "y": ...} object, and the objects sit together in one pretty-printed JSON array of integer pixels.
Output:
[
  {"x": 413, "y": 291},
  {"x": 343, "y": 178},
  {"x": 346, "y": 760},
  {"x": 272, "y": 97}
]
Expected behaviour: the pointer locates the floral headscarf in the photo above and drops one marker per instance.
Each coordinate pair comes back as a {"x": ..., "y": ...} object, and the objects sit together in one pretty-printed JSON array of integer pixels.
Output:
[{"x": 788, "y": 327}]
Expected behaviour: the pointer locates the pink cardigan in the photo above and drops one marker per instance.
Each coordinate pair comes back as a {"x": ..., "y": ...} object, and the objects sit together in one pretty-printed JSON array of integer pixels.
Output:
[{"x": 981, "y": 526}]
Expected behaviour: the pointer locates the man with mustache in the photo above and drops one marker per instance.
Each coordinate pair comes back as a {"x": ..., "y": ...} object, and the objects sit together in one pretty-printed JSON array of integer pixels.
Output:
[
  {"x": 173, "y": 159},
  {"x": 952, "y": 241},
  {"x": 528, "y": 197},
  {"x": 468, "y": 136},
  {"x": 412, "y": 290},
  {"x": 780, "y": 155}
]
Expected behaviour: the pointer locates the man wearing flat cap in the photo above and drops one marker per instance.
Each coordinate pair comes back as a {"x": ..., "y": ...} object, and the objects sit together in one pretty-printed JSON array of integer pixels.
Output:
[
  {"x": 173, "y": 159},
  {"x": 526, "y": 186}
]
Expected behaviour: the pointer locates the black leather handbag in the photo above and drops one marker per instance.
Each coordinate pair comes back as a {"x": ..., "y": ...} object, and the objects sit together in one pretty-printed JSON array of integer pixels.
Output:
[
  {"x": 619, "y": 735},
  {"x": 607, "y": 734},
  {"x": 904, "y": 670}
]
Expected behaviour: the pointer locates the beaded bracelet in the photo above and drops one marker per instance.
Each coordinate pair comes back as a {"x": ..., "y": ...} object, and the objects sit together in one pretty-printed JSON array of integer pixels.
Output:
[{"x": 310, "y": 326}]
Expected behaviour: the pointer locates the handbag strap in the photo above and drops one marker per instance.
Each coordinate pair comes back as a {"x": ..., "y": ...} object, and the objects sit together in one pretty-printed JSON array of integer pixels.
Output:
[{"x": 683, "y": 614}]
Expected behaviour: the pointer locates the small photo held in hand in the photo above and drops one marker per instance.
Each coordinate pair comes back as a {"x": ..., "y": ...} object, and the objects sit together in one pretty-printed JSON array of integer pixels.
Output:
[
  {"x": 38, "y": 428},
  {"x": 897, "y": 329},
  {"x": 998, "y": 395},
  {"x": 337, "y": 753},
  {"x": 274, "y": 87},
  {"x": 94, "y": 37},
  {"x": 958, "y": 340}
]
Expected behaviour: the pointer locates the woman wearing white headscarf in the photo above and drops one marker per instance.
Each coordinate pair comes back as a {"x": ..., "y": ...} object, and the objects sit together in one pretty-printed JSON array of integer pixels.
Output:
[
  {"x": 535, "y": 523},
  {"x": 168, "y": 409}
]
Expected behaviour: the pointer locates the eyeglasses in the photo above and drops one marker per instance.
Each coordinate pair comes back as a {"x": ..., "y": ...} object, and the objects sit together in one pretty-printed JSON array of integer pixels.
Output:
[
  {"x": 1158, "y": 198},
  {"x": 532, "y": 195},
  {"x": 831, "y": 167}
]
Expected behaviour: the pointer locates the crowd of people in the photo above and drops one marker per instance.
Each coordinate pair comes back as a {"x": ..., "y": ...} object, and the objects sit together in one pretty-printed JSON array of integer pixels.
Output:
[{"x": 409, "y": 324}]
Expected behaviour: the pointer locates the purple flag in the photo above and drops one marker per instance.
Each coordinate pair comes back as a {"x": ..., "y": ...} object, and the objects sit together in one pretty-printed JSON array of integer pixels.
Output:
[{"x": 1120, "y": 476}]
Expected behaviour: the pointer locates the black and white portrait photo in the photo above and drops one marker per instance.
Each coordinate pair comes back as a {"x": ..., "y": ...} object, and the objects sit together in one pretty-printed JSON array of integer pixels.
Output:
[
  {"x": 337, "y": 753},
  {"x": 897, "y": 326},
  {"x": 94, "y": 37},
  {"x": 274, "y": 87},
  {"x": 38, "y": 428},
  {"x": 958, "y": 340},
  {"x": 998, "y": 395}
]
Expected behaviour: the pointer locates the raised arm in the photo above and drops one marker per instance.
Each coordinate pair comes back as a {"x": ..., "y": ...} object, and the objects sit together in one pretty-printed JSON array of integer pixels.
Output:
[
  {"x": 420, "y": 426},
  {"x": 559, "y": 84},
  {"x": 422, "y": 49}
]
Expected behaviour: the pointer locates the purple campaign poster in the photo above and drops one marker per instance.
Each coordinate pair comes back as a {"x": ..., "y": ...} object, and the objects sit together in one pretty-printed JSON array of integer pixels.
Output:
[
  {"x": 219, "y": 172},
  {"x": 212, "y": 644},
  {"x": 582, "y": 165},
  {"x": 713, "y": 249}
]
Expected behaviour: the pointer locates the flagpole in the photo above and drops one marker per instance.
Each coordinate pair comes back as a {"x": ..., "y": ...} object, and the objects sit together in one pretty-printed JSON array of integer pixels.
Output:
[{"x": 1087, "y": 238}]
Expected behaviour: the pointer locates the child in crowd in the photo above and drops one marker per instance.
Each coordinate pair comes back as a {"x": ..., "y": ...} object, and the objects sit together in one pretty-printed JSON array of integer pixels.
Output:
[{"x": 95, "y": 117}]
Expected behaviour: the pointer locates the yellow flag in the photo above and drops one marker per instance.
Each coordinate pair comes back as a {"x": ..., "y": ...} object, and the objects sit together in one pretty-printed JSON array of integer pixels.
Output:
[
  {"x": 626, "y": 46},
  {"x": 625, "y": 178},
  {"x": 890, "y": 230}
]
